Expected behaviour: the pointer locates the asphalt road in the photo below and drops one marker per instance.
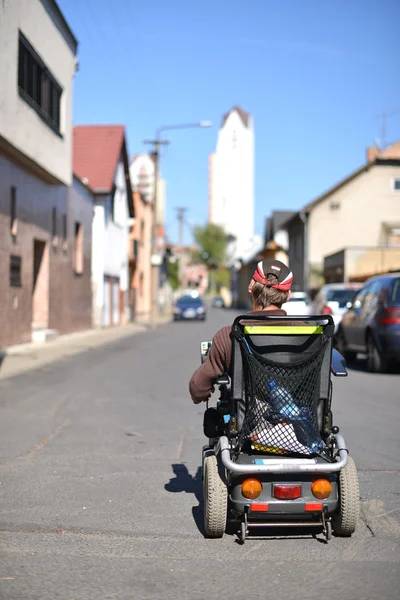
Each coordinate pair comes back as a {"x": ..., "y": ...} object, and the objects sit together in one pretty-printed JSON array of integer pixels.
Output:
[{"x": 100, "y": 490}]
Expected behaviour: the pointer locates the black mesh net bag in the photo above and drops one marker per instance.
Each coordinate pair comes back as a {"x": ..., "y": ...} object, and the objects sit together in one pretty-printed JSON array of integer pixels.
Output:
[{"x": 281, "y": 401}]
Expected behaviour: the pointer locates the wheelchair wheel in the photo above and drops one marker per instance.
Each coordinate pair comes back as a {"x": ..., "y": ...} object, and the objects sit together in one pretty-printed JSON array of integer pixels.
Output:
[
  {"x": 345, "y": 520},
  {"x": 215, "y": 496}
]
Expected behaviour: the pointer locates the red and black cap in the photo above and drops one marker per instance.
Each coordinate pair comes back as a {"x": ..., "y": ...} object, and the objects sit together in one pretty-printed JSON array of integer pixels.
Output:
[{"x": 277, "y": 268}]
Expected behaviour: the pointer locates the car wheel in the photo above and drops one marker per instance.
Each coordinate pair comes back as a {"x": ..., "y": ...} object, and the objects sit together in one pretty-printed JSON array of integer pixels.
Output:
[
  {"x": 341, "y": 345},
  {"x": 375, "y": 361}
]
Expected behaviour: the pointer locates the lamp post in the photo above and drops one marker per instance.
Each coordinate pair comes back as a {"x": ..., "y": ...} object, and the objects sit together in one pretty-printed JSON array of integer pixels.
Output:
[{"x": 155, "y": 258}]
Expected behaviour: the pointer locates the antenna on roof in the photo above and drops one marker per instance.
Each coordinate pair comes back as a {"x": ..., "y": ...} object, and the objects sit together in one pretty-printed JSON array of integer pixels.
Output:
[{"x": 383, "y": 117}]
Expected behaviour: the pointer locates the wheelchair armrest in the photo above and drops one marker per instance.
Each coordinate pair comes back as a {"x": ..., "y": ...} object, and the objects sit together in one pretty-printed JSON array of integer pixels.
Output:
[
  {"x": 338, "y": 365},
  {"x": 223, "y": 380}
]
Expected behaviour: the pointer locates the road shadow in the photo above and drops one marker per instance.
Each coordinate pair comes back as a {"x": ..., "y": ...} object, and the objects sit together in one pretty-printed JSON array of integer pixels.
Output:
[{"x": 185, "y": 482}]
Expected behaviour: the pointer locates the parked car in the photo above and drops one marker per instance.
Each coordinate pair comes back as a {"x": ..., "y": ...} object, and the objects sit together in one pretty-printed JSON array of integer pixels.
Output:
[
  {"x": 190, "y": 306},
  {"x": 298, "y": 304},
  {"x": 218, "y": 302},
  {"x": 372, "y": 324},
  {"x": 334, "y": 299}
]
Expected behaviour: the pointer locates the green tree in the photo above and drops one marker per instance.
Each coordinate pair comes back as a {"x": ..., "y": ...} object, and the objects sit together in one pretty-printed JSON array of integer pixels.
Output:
[
  {"x": 173, "y": 273},
  {"x": 212, "y": 242}
]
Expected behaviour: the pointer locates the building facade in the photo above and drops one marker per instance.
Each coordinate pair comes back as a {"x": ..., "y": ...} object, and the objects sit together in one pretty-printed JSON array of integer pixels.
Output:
[
  {"x": 231, "y": 181},
  {"x": 361, "y": 211},
  {"x": 45, "y": 217},
  {"x": 101, "y": 162}
]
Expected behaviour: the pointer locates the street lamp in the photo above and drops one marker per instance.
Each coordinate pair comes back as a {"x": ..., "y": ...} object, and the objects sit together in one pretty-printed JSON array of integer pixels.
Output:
[{"x": 155, "y": 258}]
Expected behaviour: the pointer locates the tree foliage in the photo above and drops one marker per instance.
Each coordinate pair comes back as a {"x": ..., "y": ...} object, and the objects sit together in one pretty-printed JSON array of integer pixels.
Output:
[
  {"x": 212, "y": 242},
  {"x": 173, "y": 274}
]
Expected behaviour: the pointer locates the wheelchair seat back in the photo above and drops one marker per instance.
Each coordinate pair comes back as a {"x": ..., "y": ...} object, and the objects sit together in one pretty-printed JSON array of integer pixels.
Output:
[{"x": 281, "y": 384}]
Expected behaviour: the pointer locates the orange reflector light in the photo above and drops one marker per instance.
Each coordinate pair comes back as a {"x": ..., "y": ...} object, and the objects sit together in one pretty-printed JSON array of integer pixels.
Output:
[
  {"x": 287, "y": 492},
  {"x": 313, "y": 507},
  {"x": 321, "y": 488},
  {"x": 251, "y": 488},
  {"x": 259, "y": 507}
]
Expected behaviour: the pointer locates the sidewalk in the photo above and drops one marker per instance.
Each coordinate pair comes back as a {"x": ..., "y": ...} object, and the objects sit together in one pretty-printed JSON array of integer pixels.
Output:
[{"x": 26, "y": 357}]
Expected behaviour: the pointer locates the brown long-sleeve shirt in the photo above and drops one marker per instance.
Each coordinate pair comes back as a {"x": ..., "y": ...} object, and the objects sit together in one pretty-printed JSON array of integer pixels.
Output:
[{"x": 218, "y": 361}]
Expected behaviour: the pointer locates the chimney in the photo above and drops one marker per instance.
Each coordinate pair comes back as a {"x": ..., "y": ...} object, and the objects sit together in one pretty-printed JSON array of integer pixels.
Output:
[{"x": 372, "y": 154}]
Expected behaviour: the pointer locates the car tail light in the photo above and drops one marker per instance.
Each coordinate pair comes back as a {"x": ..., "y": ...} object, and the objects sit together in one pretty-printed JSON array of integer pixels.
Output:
[
  {"x": 287, "y": 492},
  {"x": 321, "y": 488},
  {"x": 326, "y": 310},
  {"x": 251, "y": 488},
  {"x": 391, "y": 316}
]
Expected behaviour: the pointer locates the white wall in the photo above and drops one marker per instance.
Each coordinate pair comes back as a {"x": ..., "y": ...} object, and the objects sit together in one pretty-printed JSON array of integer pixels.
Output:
[
  {"x": 232, "y": 179},
  {"x": 19, "y": 122},
  {"x": 98, "y": 263},
  {"x": 365, "y": 204},
  {"x": 110, "y": 241}
]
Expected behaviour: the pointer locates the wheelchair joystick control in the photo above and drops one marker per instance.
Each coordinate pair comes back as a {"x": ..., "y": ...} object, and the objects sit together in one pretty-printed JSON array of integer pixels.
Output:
[{"x": 335, "y": 429}]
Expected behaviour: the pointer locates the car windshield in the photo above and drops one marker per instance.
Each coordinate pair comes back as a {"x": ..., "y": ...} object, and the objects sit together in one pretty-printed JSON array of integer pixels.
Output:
[
  {"x": 342, "y": 297},
  {"x": 298, "y": 299},
  {"x": 190, "y": 300}
]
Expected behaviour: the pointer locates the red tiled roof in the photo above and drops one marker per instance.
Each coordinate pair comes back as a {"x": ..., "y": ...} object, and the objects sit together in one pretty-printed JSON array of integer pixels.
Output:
[{"x": 96, "y": 151}]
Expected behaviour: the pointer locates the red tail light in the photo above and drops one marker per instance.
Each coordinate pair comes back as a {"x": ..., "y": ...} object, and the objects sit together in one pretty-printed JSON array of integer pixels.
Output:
[
  {"x": 287, "y": 492},
  {"x": 391, "y": 316},
  {"x": 326, "y": 310}
]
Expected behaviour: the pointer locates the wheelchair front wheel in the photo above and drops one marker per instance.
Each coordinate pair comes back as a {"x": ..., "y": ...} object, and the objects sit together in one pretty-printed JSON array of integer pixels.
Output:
[{"x": 215, "y": 495}]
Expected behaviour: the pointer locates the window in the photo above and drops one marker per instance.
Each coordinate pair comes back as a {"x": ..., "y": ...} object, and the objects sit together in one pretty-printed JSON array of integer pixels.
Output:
[
  {"x": 396, "y": 184},
  {"x": 393, "y": 238},
  {"x": 78, "y": 248},
  {"x": 64, "y": 232},
  {"x": 13, "y": 212},
  {"x": 15, "y": 271},
  {"x": 54, "y": 225},
  {"x": 141, "y": 284},
  {"x": 112, "y": 209},
  {"x": 142, "y": 233},
  {"x": 37, "y": 86}
]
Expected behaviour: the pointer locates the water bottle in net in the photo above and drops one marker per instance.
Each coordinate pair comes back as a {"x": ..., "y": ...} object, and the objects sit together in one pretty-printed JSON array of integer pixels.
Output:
[{"x": 282, "y": 403}]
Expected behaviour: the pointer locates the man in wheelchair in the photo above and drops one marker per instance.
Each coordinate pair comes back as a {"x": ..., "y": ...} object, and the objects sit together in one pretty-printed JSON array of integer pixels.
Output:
[{"x": 274, "y": 457}]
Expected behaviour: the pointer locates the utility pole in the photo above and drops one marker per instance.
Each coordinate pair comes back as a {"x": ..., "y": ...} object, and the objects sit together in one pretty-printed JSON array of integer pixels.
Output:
[
  {"x": 181, "y": 220},
  {"x": 155, "y": 258}
]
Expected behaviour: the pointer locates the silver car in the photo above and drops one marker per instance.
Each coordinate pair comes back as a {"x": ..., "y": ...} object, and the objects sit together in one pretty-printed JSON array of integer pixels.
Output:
[{"x": 334, "y": 299}]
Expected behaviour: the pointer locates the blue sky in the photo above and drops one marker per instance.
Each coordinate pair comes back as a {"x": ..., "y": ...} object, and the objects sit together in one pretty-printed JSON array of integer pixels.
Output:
[{"x": 313, "y": 74}]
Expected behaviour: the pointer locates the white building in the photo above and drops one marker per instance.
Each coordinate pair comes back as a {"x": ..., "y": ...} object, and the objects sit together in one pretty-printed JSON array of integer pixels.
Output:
[
  {"x": 231, "y": 181},
  {"x": 101, "y": 162},
  {"x": 37, "y": 66}
]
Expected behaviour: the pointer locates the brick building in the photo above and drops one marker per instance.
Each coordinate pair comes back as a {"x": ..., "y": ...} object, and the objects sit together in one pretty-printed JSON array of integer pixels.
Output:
[{"x": 45, "y": 214}]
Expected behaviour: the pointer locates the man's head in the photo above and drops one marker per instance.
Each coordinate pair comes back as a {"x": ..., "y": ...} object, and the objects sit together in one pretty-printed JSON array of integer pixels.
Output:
[{"x": 270, "y": 285}]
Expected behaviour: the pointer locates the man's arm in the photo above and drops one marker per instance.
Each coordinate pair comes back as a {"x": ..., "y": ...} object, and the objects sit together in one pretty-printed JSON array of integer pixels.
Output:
[{"x": 201, "y": 385}]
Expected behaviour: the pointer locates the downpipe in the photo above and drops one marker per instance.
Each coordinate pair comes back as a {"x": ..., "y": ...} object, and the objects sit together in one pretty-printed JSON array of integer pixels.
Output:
[{"x": 286, "y": 465}]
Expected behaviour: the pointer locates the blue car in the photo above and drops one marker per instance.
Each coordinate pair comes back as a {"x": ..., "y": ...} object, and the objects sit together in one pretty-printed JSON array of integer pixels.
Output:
[
  {"x": 190, "y": 307},
  {"x": 372, "y": 324}
]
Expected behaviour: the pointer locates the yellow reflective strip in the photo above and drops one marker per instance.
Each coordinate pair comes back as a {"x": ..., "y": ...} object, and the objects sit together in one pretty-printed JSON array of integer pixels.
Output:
[{"x": 282, "y": 330}]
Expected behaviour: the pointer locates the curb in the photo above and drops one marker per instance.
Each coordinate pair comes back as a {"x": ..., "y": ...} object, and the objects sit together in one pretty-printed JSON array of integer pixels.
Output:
[{"x": 28, "y": 357}]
